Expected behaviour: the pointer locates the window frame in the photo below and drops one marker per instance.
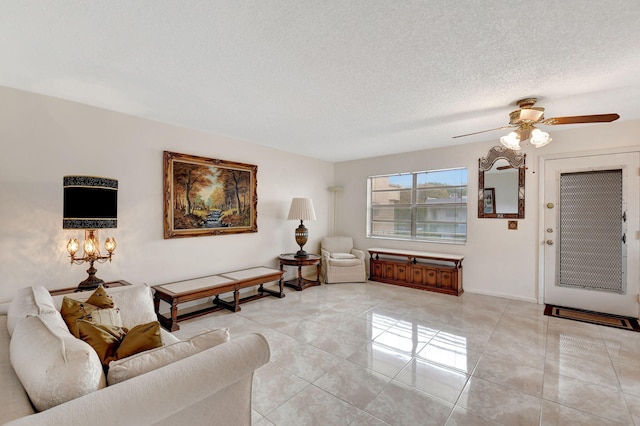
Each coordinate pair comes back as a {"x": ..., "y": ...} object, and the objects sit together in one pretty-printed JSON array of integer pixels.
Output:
[{"x": 456, "y": 237}]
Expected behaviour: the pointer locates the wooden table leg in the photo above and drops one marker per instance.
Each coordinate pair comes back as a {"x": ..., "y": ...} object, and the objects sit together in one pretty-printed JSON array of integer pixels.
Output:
[
  {"x": 232, "y": 306},
  {"x": 156, "y": 303},
  {"x": 174, "y": 316},
  {"x": 280, "y": 294},
  {"x": 236, "y": 300},
  {"x": 282, "y": 278}
]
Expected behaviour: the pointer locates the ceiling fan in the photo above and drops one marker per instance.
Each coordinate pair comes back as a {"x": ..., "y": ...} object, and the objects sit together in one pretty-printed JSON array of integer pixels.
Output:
[{"x": 525, "y": 119}]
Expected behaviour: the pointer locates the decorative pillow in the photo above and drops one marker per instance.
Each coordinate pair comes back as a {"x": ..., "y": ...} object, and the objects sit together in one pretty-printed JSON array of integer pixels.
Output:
[
  {"x": 103, "y": 338},
  {"x": 139, "y": 339},
  {"x": 73, "y": 310},
  {"x": 53, "y": 366},
  {"x": 101, "y": 299},
  {"x": 342, "y": 256},
  {"x": 112, "y": 342},
  {"x": 135, "y": 365},
  {"x": 29, "y": 301},
  {"x": 135, "y": 303},
  {"x": 106, "y": 316}
]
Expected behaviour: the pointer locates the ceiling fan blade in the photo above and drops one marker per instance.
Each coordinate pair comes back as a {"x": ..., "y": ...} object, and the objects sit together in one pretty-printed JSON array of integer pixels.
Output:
[
  {"x": 597, "y": 118},
  {"x": 484, "y": 131}
]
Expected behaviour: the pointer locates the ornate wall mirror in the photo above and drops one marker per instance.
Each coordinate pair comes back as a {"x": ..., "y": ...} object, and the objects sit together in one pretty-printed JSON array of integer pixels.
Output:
[{"x": 501, "y": 184}]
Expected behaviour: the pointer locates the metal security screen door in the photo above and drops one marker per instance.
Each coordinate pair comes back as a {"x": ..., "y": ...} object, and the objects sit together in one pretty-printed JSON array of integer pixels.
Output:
[{"x": 591, "y": 252}]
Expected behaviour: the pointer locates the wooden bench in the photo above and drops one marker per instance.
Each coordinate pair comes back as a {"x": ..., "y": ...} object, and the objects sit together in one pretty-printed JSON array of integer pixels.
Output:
[{"x": 178, "y": 292}]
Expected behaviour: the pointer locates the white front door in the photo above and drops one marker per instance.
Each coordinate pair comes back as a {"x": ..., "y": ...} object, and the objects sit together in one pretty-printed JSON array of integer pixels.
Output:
[{"x": 590, "y": 228}]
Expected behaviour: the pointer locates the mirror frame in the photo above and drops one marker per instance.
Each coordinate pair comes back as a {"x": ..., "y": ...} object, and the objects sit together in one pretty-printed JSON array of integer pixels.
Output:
[{"x": 515, "y": 160}]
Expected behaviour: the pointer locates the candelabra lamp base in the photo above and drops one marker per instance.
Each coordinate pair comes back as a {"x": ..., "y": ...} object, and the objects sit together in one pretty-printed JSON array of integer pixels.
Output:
[
  {"x": 92, "y": 282},
  {"x": 301, "y": 239}
]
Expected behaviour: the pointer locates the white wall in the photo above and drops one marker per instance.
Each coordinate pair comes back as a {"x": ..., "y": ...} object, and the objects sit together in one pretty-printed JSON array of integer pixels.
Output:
[
  {"x": 42, "y": 139},
  {"x": 497, "y": 261}
]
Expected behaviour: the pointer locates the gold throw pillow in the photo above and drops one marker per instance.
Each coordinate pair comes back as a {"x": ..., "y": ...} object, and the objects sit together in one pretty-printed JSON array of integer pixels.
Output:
[
  {"x": 101, "y": 299},
  {"x": 72, "y": 310},
  {"x": 105, "y": 339},
  {"x": 113, "y": 343},
  {"x": 139, "y": 339}
]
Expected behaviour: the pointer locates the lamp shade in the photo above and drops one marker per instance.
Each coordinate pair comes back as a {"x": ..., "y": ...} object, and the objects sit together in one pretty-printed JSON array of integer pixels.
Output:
[
  {"x": 301, "y": 209},
  {"x": 511, "y": 141},
  {"x": 90, "y": 202},
  {"x": 539, "y": 138}
]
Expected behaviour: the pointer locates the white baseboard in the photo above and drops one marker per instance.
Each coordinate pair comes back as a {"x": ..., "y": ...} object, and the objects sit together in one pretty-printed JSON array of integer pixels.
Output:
[{"x": 503, "y": 295}]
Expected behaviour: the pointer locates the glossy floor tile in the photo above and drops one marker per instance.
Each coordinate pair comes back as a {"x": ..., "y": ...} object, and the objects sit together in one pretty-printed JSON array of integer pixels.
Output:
[{"x": 376, "y": 354}]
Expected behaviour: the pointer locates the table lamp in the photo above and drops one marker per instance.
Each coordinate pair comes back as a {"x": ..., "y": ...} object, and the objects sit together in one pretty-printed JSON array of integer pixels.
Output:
[
  {"x": 301, "y": 209},
  {"x": 90, "y": 203}
]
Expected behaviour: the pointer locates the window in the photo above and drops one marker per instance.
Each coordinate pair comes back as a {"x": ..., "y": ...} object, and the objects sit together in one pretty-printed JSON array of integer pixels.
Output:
[{"x": 423, "y": 206}]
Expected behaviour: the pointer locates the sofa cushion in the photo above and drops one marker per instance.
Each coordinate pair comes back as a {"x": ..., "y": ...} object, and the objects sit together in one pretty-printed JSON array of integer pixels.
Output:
[
  {"x": 29, "y": 301},
  {"x": 343, "y": 256},
  {"x": 53, "y": 366},
  {"x": 14, "y": 400},
  {"x": 345, "y": 262},
  {"x": 338, "y": 244},
  {"x": 112, "y": 343},
  {"x": 135, "y": 303},
  {"x": 144, "y": 362}
]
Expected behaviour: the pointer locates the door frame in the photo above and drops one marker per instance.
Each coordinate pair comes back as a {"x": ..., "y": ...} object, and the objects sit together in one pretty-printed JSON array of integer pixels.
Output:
[{"x": 541, "y": 200}]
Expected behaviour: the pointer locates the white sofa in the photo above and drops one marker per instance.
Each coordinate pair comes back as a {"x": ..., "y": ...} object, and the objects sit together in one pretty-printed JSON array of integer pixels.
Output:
[{"x": 210, "y": 387}]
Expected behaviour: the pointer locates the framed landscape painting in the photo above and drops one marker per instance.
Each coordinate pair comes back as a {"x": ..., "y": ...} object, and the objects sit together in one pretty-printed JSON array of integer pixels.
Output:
[{"x": 205, "y": 196}]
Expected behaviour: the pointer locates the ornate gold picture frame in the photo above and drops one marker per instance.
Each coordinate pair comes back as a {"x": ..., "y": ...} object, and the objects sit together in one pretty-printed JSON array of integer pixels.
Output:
[{"x": 205, "y": 196}]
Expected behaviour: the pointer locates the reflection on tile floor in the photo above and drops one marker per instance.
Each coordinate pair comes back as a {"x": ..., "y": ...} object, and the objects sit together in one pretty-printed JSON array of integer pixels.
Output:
[{"x": 377, "y": 354}]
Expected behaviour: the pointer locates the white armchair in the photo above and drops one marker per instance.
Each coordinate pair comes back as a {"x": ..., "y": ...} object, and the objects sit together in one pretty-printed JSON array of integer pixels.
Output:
[{"x": 341, "y": 262}]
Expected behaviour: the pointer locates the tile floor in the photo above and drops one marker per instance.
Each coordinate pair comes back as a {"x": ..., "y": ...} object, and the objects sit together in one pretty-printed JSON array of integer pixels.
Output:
[{"x": 376, "y": 354}]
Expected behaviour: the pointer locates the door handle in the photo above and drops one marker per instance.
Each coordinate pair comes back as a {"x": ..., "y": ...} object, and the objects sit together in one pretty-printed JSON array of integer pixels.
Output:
[{"x": 549, "y": 242}]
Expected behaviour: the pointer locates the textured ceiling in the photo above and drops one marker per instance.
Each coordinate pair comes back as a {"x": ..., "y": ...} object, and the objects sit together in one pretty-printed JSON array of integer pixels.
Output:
[{"x": 335, "y": 80}]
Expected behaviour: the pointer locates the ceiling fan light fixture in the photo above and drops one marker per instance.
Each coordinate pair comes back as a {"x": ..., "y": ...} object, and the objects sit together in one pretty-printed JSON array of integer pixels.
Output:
[
  {"x": 525, "y": 119},
  {"x": 539, "y": 138},
  {"x": 531, "y": 114},
  {"x": 511, "y": 141}
]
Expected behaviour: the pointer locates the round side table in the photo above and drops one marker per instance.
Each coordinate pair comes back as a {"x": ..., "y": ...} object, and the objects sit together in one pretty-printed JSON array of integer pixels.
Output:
[{"x": 301, "y": 283}]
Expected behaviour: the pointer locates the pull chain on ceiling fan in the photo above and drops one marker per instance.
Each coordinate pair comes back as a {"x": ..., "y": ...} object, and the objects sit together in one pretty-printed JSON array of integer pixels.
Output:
[{"x": 525, "y": 119}]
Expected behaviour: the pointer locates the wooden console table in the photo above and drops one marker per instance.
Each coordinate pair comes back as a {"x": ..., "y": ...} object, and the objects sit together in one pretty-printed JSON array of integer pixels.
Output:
[
  {"x": 69, "y": 290},
  {"x": 437, "y": 272},
  {"x": 214, "y": 285}
]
